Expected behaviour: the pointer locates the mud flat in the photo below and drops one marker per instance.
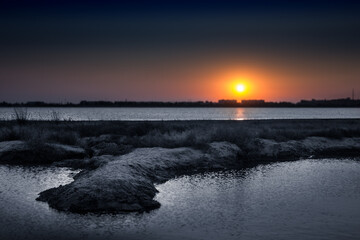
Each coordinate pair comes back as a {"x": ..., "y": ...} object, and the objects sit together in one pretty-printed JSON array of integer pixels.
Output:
[{"x": 122, "y": 161}]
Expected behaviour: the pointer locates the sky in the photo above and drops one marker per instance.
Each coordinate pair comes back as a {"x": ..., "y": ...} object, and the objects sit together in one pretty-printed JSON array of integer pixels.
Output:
[{"x": 67, "y": 51}]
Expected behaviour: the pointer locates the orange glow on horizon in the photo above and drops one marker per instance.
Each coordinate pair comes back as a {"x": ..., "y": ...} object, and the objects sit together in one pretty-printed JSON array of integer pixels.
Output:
[
  {"x": 259, "y": 82},
  {"x": 238, "y": 85}
]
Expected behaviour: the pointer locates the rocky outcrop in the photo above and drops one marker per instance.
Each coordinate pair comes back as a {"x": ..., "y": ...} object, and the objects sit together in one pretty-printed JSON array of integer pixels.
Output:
[
  {"x": 106, "y": 145},
  {"x": 311, "y": 147},
  {"x": 20, "y": 152},
  {"x": 113, "y": 183},
  {"x": 86, "y": 163},
  {"x": 127, "y": 182},
  {"x": 110, "y": 149},
  {"x": 13, "y": 151}
]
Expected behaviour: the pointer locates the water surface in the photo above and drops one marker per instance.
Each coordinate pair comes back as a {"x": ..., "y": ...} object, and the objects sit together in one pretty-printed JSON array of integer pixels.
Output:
[
  {"x": 307, "y": 199},
  {"x": 139, "y": 114}
]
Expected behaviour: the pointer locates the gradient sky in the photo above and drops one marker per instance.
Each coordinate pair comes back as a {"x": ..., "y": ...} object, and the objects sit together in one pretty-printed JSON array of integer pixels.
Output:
[{"x": 178, "y": 50}]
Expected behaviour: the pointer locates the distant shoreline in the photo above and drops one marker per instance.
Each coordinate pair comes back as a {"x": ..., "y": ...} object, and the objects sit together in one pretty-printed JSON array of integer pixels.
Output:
[
  {"x": 65, "y": 106},
  {"x": 343, "y": 102},
  {"x": 200, "y": 121}
]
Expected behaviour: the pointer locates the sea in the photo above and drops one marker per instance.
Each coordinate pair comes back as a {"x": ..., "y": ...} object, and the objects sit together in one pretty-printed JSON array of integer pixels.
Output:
[{"x": 169, "y": 114}]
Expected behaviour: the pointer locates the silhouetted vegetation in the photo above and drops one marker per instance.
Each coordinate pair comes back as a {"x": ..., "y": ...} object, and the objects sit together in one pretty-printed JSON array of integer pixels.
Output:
[
  {"x": 21, "y": 115},
  {"x": 343, "y": 102},
  {"x": 172, "y": 134},
  {"x": 55, "y": 116}
]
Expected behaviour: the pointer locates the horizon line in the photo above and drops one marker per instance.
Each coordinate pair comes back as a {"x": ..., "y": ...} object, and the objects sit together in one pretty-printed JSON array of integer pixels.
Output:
[{"x": 219, "y": 101}]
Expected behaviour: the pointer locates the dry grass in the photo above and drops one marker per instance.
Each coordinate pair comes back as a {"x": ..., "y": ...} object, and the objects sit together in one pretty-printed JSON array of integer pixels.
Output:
[
  {"x": 177, "y": 133},
  {"x": 21, "y": 115}
]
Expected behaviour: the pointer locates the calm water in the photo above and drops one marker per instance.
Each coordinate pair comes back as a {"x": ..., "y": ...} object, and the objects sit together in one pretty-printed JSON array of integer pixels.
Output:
[
  {"x": 94, "y": 114},
  {"x": 308, "y": 199}
]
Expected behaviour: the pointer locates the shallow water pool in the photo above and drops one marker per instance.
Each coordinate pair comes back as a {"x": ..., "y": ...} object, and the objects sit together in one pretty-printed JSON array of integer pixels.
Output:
[{"x": 306, "y": 199}]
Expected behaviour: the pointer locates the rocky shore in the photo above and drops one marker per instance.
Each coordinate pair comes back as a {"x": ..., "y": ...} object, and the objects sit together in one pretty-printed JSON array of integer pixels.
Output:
[
  {"x": 126, "y": 183},
  {"x": 120, "y": 170}
]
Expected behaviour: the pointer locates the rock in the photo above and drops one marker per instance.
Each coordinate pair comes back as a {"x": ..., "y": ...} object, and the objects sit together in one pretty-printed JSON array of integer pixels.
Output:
[
  {"x": 110, "y": 148},
  {"x": 14, "y": 152},
  {"x": 223, "y": 150},
  {"x": 86, "y": 163},
  {"x": 270, "y": 150},
  {"x": 274, "y": 151},
  {"x": 127, "y": 182},
  {"x": 324, "y": 147},
  {"x": 66, "y": 151},
  {"x": 106, "y": 138},
  {"x": 225, "y": 154},
  {"x": 8, "y": 146},
  {"x": 20, "y": 152},
  {"x": 99, "y": 191}
]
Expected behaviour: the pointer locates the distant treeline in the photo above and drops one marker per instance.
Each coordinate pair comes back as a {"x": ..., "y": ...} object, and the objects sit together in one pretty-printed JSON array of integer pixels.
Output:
[{"x": 344, "y": 102}]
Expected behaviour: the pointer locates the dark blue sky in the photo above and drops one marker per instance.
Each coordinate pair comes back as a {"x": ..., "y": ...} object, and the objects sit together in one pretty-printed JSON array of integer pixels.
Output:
[{"x": 52, "y": 48}]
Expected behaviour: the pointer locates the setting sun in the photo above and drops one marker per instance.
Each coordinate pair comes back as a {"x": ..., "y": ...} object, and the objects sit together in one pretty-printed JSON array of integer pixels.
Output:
[{"x": 240, "y": 88}]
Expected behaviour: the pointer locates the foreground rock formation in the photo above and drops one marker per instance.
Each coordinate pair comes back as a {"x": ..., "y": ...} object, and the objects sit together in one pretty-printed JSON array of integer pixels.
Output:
[
  {"x": 20, "y": 152},
  {"x": 265, "y": 150},
  {"x": 126, "y": 183},
  {"x": 121, "y": 161}
]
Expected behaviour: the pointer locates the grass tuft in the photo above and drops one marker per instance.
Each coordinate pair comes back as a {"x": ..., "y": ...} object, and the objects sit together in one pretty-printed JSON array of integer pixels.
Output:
[{"x": 21, "y": 115}]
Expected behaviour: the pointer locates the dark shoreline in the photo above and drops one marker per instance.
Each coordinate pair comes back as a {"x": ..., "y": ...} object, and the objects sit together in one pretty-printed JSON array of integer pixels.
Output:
[
  {"x": 294, "y": 120},
  {"x": 341, "y": 102},
  {"x": 122, "y": 160}
]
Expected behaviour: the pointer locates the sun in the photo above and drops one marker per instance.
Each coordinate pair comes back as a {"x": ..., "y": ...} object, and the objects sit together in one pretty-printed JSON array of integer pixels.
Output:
[{"x": 240, "y": 88}]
